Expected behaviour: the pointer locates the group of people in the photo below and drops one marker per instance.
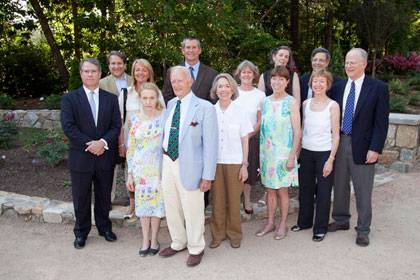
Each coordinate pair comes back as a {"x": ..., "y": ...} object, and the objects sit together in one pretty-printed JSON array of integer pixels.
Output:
[{"x": 216, "y": 133}]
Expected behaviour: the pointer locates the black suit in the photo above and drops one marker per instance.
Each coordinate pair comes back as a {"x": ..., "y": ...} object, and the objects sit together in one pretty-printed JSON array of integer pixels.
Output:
[
  {"x": 201, "y": 86},
  {"x": 79, "y": 126},
  {"x": 369, "y": 130}
]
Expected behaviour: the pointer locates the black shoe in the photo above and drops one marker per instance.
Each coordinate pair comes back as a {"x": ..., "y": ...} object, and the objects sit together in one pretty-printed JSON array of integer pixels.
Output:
[
  {"x": 109, "y": 236},
  {"x": 297, "y": 228},
  {"x": 79, "y": 242},
  {"x": 318, "y": 237},
  {"x": 144, "y": 253},
  {"x": 334, "y": 227},
  {"x": 153, "y": 252},
  {"x": 362, "y": 239}
]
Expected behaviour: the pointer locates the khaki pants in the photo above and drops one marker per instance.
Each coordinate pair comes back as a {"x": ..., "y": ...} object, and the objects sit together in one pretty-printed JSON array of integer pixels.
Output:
[
  {"x": 226, "y": 202},
  {"x": 184, "y": 210}
]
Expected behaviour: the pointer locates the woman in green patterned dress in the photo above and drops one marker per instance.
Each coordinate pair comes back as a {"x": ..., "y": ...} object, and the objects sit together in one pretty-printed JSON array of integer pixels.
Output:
[{"x": 279, "y": 143}]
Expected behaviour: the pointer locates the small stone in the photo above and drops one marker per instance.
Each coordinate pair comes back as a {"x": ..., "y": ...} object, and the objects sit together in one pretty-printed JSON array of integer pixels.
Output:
[
  {"x": 52, "y": 213},
  {"x": 67, "y": 217},
  {"x": 55, "y": 115},
  {"x": 37, "y": 210},
  {"x": 30, "y": 119},
  {"x": 407, "y": 155},
  {"x": 407, "y": 136},
  {"x": 392, "y": 128},
  {"x": 388, "y": 156},
  {"x": 9, "y": 213},
  {"x": 23, "y": 208},
  {"x": 402, "y": 167}
]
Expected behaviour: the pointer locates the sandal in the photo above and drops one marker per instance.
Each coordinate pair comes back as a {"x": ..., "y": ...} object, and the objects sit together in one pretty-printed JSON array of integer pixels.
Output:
[
  {"x": 128, "y": 215},
  {"x": 280, "y": 236},
  {"x": 263, "y": 232}
]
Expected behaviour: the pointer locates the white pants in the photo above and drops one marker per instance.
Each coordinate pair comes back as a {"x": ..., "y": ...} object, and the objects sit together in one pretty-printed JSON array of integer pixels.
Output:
[{"x": 184, "y": 210}]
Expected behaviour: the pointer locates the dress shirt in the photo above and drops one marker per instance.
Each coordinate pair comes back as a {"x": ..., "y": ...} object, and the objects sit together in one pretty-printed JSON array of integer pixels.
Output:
[
  {"x": 233, "y": 124},
  {"x": 96, "y": 99},
  {"x": 194, "y": 70},
  {"x": 185, "y": 103},
  {"x": 121, "y": 83},
  {"x": 358, "y": 84}
]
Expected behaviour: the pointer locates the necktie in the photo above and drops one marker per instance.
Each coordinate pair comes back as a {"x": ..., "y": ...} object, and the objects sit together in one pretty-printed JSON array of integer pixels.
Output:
[
  {"x": 348, "y": 111},
  {"x": 92, "y": 105},
  {"x": 192, "y": 73},
  {"x": 174, "y": 133}
]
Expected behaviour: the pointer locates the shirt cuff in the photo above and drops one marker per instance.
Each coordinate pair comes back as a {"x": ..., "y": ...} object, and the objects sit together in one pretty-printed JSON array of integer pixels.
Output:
[{"x": 106, "y": 143}]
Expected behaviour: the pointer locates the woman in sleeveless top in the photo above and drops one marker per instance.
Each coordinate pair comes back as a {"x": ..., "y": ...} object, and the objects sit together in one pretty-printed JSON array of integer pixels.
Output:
[{"x": 321, "y": 133}]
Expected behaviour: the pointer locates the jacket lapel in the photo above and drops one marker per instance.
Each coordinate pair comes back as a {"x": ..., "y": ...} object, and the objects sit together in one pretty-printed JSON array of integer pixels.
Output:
[
  {"x": 364, "y": 92},
  {"x": 190, "y": 115}
]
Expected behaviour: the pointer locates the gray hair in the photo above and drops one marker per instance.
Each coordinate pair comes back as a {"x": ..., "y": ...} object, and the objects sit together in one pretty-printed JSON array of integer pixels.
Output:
[
  {"x": 321, "y": 50},
  {"x": 244, "y": 64},
  {"x": 190, "y": 38},
  {"x": 93, "y": 61},
  {"x": 362, "y": 53},
  {"x": 231, "y": 81},
  {"x": 182, "y": 69}
]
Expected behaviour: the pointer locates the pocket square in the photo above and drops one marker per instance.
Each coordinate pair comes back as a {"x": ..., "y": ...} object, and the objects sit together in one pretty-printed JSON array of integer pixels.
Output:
[{"x": 193, "y": 124}]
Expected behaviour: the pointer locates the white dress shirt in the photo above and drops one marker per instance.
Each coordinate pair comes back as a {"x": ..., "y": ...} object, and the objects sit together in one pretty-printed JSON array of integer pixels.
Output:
[
  {"x": 185, "y": 103},
  {"x": 233, "y": 124},
  {"x": 358, "y": 84},
  {"x": 96, "y": 99}
]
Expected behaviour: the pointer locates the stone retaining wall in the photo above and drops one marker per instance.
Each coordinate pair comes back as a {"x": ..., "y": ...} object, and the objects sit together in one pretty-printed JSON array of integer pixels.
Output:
[
  {"x": 46, "y": 119},
  {"x": 402, "y": 147}
]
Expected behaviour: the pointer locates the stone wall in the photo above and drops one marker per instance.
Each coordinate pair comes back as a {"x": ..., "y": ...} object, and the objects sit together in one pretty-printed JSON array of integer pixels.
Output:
[
  {"x": 402, "y": 147},
  {"x": 46, "y": 119}
]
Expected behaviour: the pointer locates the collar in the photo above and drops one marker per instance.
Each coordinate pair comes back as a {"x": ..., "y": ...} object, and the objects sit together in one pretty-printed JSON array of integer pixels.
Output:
[
  {"x": 358, "y": 81},
  {"x": 186, "y": 99},
  {"x": 123, "y": 77},
  {"x": 87, "y": 91},
  {"x": 195, "y": 66}
]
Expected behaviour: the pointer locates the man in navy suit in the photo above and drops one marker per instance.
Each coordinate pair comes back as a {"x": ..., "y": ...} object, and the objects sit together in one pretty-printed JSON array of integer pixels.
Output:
[
  {"x": 91, "y": 119},
  {"x": 364, "y": 104}
]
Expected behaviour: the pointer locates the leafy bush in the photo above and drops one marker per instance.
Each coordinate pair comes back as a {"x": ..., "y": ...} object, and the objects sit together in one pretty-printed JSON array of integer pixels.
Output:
[
  {"x": 401, "y": 64},
  {"x": 414, "y": 99},
  {"x": 53, "y": 150},
  {"x": 398, "y": 103},
  {"x": 30, "y": 138},
  {"x": 414, "y": 81},
  {"x": 337, "y": 62},
  {"x": 6, "y": 102},
  {"x": 53, "y": 102},
  {"x": 399, "y": 87},
  {"x": 8, "y": 130}
]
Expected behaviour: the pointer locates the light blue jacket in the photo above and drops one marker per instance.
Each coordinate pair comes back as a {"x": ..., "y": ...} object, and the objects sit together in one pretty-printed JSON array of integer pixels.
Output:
[{"x": 198, "y": 142}]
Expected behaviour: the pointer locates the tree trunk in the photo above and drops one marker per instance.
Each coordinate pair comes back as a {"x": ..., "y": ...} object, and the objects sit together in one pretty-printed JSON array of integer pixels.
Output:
[
  {"x": 58, "y": 57},
  {"x": 373, "y": 63},
  {"x": 76, "y": 30},
  {"x": 294, "y": 24},
  {"x": 329, "y": 22}
]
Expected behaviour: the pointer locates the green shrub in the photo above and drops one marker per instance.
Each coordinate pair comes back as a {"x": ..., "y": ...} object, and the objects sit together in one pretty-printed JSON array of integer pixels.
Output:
[
  {"x": 53, "y": 102},
  {"x": 30, "y": 138},
  {"x": 398, "y": 103},
  {"x": 6, "y": 102},
  {"x": 8, "y": 130},
  {"x": 399, "y": 87},
  {"x": 414, "y": 81},
  {"x": 414, "y": 98},
  {"x": 53, "y": 150}
]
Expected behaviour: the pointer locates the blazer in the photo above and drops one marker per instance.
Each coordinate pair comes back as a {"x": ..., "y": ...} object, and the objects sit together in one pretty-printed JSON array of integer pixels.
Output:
[
  {"x": 371, "y": 117},
  {"x": 79, "y": 127},
  {"x": 108, "y": 83},
  {"x": 198, "y": 142},
  {"x": 201, "y": 86},
  {"x": 304, "y": 86}
]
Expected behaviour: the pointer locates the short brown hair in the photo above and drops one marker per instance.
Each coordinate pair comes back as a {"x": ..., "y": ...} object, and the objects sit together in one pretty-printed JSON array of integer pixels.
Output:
[
  {"x": 116, "y": 53},
  {"x": 322, "y": 73},
  {"x": 231, "y": 81},
  {"x": 280, "y": 71},
  {"x": 152, "y": 86},
  {"x": 250, "y": 65}
]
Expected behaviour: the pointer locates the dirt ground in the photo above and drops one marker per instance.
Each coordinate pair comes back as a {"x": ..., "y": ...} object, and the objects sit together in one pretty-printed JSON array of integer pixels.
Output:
[{"x": 45, "y": 251}]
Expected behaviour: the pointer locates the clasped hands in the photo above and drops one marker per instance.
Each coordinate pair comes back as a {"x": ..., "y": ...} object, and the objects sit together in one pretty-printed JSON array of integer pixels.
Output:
[{"x": 96, "y": 147}]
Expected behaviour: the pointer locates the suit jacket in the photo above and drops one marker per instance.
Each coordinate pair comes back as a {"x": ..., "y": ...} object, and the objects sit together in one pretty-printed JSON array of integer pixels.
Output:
[
  {"x": 304, "y": 86},
  {"x": 79, "y": 127},
  {"x": 108, "y": 84},
  {"x": 201, "y": 86},
  {"x": 370, "y": 119},
  {"x": 198, "y": 143}
]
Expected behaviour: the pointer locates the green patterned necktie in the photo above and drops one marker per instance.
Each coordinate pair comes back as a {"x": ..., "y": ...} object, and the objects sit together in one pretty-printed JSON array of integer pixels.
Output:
[{"x": 174, "y": 133}]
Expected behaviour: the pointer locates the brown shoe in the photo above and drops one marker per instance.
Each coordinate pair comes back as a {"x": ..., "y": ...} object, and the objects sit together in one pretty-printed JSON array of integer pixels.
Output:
[
  {"x": 194, "y": 260},
  {"x": 214, "y": 244},
  {"x": 169, "y": 252},
  {"x": 235, "y": 244},
  {"x": 334, "y": 227}
]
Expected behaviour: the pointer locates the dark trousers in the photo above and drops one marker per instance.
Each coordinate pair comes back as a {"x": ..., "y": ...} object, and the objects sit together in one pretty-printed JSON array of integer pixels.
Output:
[
  {"x": 82, "y": 197},
  {"x": 313, "y": 187}
]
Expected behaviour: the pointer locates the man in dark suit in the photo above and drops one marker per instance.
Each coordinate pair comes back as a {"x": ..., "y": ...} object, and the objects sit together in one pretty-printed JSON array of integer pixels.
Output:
[
  {"x": 202, "y": 74},
  {"x": 320, "y": 59},
  {"x": 91, "y": 119},
  {"x": 364, "y": 104}
]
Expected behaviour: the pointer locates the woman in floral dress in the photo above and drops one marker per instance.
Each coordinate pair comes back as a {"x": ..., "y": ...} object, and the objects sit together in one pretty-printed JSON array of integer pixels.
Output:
[
  {"x": 279, "y": 143},
  {"x": 144, "y": 156}
]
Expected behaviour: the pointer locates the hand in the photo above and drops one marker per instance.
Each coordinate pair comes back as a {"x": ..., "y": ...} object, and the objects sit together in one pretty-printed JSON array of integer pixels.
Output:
[
  {"x": 205, "y": 185},
  {"x": 290, "y": 162},
  {"x": 95, "y": 147},
  {"x": 371, "y": 157},
  {"x": 130, "y": 183},
  {"x": 122, "y": 150},
  {"x": 243, "y": 174},
  {"x": 328, "y": 167}
]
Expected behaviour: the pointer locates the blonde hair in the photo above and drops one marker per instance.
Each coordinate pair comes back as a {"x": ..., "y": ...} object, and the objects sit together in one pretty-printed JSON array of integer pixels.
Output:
[
  {"x": 322, "y": 73},
  {"x": 231, "y": 81},
  {"x": 244, "y": 64},
  {"x": 152, "y": 86},
  {"x": 145, "y": 63}
]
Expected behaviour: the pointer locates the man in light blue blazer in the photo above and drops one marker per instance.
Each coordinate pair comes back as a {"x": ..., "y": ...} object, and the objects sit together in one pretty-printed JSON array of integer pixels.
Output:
[{"x": 190, "y": 145}]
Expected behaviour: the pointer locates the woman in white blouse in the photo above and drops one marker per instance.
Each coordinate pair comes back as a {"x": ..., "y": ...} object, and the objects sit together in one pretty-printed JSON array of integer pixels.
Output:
[
  {"x": 142, "y": 72},
  {"x": 232, "y": 162}
]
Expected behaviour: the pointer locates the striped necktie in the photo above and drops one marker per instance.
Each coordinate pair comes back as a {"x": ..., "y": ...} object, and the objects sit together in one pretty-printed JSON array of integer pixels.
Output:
[
  {"x": 174, "y": 133},
  {"x": 348, "y": 111}
]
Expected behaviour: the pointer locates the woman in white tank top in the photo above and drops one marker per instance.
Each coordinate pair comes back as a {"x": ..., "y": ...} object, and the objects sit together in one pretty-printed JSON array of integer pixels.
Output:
[{"x": 321, "y": 133}]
